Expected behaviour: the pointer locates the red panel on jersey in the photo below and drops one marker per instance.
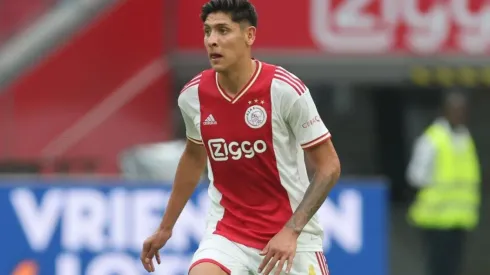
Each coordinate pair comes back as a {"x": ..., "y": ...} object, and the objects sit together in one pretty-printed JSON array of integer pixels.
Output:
[{"x": 243, "y": 161}]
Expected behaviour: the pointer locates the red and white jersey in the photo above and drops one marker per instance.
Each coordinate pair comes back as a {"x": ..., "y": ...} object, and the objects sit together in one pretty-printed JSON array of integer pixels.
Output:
[{"x": 254, "y": 144}]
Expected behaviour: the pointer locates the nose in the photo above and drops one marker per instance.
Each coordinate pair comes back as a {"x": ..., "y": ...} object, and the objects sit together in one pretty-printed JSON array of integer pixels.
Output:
[{"x": 212, "y": 40}]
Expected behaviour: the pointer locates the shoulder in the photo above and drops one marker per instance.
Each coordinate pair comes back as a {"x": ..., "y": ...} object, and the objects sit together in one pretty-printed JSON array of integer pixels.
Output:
[
  {"x": 287, "y": 84},
  {"x": 192, "y": 84},
  {"x": 189, "y": 92},
  {"x": 424, "y": 142},
  {"x": 202, "y": 78},
  {"x": 437, "y": 131},
  {"x": 423, "y": 146},
  {"x": 286, "y": 89}
]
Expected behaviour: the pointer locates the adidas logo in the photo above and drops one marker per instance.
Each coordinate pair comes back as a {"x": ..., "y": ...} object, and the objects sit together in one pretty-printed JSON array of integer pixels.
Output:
[{"x": 210, "y": 120}]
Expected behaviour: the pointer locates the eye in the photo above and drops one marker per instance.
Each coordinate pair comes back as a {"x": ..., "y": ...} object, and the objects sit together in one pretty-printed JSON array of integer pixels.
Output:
[
  {"x": 223, "y": 30},
  {"x": 207, "y": 32}
]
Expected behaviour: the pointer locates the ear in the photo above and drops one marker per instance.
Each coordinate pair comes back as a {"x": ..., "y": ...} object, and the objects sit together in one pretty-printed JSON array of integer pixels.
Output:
[{"x": 250, "y": 34}]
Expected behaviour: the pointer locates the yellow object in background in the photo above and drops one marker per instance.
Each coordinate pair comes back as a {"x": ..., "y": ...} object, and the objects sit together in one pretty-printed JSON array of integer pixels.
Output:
[
  {"x": 468, "y": 77},
  {"x": 311, "y": 270},
  {"x": 421, "y": 76},
  {"x": 447, "y": 76}
]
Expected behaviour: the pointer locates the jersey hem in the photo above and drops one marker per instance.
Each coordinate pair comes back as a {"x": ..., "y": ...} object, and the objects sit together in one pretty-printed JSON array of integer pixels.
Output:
[
  {"x": 316, "y": 141},
  {"x": 250, "y": 244},
  {"x": 260, "y": 246},
  {"x": 196, "y": 141}
]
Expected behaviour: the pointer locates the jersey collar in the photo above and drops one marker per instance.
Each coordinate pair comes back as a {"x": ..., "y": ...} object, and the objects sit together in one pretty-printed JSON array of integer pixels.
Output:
[{"x": 258, "y": 69}]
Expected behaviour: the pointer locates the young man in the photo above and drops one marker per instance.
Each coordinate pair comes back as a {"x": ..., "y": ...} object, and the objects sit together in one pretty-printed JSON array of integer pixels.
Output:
[{"x": 252, "y": 121}]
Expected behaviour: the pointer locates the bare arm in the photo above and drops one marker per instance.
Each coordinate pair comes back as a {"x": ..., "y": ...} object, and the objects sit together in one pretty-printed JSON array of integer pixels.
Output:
[
  {"x": 327, "y": 171},
  {"x": 189, "y": 171}
]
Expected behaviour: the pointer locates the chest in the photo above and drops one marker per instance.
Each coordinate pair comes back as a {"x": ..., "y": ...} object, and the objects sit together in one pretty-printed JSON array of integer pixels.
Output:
[
  {"x": 247, "y": 119},
  {"x": 460, "y": 142}
]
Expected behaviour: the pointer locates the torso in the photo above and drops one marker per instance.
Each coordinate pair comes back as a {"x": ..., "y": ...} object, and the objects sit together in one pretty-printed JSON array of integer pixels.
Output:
[{"x": 256, "y": 167}]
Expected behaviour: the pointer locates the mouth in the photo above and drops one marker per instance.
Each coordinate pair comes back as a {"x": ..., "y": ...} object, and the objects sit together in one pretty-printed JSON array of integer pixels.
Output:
[{"x": 215, "y": 56}]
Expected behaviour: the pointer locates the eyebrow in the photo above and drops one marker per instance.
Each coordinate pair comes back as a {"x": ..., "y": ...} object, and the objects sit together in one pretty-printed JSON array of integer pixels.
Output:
[{"x": 216, "y": 25}]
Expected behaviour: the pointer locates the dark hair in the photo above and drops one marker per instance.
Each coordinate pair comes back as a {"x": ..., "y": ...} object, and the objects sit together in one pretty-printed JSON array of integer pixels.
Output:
[{"x": 239, "y": 10}]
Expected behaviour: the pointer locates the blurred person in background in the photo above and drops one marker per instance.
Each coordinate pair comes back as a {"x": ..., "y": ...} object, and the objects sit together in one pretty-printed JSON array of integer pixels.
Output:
[
  {"x": 155, "y": 161},
  {"x": 446, "y": 171}
]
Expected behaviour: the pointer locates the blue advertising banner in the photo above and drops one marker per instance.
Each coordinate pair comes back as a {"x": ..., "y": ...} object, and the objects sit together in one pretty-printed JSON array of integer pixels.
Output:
[{"x": 97, "y": 227}]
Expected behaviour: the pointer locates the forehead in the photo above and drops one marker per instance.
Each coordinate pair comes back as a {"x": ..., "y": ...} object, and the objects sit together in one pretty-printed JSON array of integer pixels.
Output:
[{"x": 219, "y": 18}]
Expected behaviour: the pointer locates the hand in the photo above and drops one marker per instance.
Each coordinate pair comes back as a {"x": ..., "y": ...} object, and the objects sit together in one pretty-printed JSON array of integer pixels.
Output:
[
  {"x": 282, "y": 248},
  {"x": 151, "y": 248}
]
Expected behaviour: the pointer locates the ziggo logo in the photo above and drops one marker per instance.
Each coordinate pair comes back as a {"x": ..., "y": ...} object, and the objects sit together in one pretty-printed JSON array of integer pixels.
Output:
[
  {"x": 220, "y": 150},
  {"x": 373, "y": 26}
]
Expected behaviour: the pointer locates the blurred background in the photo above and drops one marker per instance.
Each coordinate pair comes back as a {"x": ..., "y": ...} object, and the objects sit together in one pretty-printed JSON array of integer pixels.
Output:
[{"x": 88, "y": 93}]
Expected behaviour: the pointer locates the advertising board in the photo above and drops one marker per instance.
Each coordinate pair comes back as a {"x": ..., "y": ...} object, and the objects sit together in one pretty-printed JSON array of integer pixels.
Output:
[
  {"x": 360, "y": 27},
  {"x": 77, "y": 227}
]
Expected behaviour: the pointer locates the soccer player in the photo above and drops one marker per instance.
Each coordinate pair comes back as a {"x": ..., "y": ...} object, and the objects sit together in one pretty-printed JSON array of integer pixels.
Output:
[{"x": 253, "y": 122}]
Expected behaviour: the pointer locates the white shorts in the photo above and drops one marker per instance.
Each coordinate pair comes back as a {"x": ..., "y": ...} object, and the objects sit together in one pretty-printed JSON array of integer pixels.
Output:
[{"x": 237, "y": 259}]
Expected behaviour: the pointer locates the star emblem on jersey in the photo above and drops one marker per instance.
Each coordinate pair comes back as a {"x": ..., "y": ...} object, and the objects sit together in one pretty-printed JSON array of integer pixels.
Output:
[
  {"x": 256, "y": 101},
  {"x": 255, "y": 116}
]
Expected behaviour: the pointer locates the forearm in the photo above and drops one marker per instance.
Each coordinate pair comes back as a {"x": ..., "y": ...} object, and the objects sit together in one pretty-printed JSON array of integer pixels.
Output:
[
  {"x": 187, "y": 177},
  {"x": 315, "y": 195}
]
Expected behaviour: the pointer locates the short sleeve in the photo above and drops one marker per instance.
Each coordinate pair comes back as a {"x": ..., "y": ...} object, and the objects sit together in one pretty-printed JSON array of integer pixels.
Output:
[
  {"x": 190, "y": 128},
  {"x": 189, "y": 106},
  {"x": 306, "y": 123}
]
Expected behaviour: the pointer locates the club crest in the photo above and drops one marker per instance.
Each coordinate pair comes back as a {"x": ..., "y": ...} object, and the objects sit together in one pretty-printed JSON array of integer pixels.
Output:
[{"x": 255, "y": 116}]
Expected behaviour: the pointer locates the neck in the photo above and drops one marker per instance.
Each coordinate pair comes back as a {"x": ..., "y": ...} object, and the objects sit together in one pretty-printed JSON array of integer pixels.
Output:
[
  {"x": 234, "y": 79},
  {"x": 452, "y": 125}
]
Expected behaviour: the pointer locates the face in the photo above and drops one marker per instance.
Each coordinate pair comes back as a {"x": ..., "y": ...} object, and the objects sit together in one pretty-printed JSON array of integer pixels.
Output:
[
  {"x": 456, "y": 113},
  {"x": 226, "y": 42}
]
